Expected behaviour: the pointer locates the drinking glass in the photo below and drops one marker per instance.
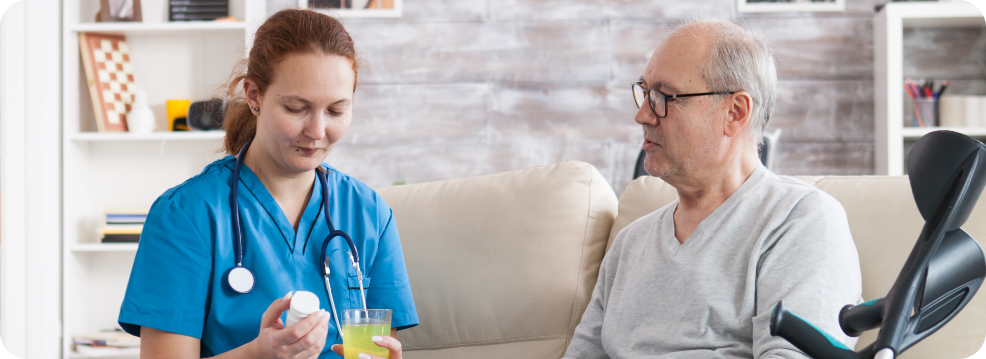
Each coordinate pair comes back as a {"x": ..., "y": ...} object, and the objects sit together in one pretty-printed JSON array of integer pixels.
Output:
[{"x": 359, "y": 326}]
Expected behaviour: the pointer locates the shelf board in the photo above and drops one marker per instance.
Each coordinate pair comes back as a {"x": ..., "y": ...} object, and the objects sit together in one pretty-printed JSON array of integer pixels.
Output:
[
  {"x": 153, "y": 136},
  {"x": 77, "y": 355},
  {"x": 937, "y": 14},
  {"x": 104, "y": 247},
  {"x": 176, "y": 27},
  {"x": 918, "y": 132},
  {"x": 361, "y": 14},
  {"x": 975, "y": 20}
]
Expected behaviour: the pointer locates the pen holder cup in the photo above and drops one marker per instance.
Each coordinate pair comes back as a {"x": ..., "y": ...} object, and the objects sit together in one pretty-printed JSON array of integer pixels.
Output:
[{"x": 925, "y": 113}]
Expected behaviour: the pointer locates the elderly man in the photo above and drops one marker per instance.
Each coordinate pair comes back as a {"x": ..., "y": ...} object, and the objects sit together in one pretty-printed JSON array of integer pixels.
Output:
[{"x": 700, "y": 277}]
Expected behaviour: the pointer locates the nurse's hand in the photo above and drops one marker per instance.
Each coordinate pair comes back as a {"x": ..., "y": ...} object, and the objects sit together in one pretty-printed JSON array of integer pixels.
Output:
[
  {"x": 301, "y": 341},
  {"x": 391, "y": 343}
]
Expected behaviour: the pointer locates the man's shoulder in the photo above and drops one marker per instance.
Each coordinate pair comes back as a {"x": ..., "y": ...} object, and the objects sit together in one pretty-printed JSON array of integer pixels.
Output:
[
  {"x": 796, "y": 191},
  {"x": 799, "y": 201},
  {"x": 790, "y": 184}
]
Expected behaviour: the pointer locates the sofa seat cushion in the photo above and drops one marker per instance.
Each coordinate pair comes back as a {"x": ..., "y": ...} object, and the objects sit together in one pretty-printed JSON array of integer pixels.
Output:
[{"x": 502, "y": 266}]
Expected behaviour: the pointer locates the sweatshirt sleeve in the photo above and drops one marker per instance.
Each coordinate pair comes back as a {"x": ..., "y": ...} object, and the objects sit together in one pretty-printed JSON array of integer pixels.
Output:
[{"x": 810, "y": 262}]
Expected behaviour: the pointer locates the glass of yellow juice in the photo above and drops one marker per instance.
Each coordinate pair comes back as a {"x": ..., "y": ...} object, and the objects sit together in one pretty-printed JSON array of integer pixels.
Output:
[{"x": 359, "y": 326}]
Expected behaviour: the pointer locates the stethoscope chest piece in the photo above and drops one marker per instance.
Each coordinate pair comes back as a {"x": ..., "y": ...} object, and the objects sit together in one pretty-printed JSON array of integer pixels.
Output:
[{"x": 240, "y": 279}]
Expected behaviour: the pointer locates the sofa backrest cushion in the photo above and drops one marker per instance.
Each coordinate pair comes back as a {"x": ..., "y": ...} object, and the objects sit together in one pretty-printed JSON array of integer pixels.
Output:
[
  {"x": 502, "y": 266},
  {"x": 885, "y": 224}
]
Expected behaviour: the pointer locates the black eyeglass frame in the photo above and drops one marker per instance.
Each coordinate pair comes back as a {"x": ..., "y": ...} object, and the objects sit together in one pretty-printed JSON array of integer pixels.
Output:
[{"x": 667, "y": 97}]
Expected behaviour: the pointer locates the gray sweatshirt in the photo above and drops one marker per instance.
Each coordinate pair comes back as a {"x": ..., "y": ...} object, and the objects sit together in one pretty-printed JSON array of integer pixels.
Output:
[{"x": 775, "y": 238}]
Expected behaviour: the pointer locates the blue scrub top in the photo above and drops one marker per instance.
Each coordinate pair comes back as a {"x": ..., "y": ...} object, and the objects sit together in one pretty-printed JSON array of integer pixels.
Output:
[{"x": 178, "y": 280}]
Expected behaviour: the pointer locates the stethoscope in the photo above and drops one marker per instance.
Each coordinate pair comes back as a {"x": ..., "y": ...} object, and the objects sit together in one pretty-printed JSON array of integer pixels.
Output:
[{"x": 241, "y": 279}]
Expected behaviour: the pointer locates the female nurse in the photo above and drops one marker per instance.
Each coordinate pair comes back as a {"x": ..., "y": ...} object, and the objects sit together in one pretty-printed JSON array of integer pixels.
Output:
[{"x": 296, "y": 105}]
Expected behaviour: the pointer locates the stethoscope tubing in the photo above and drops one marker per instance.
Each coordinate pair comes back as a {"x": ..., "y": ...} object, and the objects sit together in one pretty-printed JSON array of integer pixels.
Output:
[
  {"x": 333, "y": 232},
  {"x": 234, "y": 208},
  {"x": 235, "y": 214},
  {"x": 354, "y": 254}
]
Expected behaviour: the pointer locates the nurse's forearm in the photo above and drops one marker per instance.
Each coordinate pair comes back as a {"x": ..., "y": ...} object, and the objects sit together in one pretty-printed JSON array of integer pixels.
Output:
[
  {"x": 161, "y": 344},
  {"x": 249, "y": 351}
]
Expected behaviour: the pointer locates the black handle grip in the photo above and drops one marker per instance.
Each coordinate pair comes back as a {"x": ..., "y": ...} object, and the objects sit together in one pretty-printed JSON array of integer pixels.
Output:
[
  {"x": 855, "y": 320},
  {"x": 805, "y": 336}
]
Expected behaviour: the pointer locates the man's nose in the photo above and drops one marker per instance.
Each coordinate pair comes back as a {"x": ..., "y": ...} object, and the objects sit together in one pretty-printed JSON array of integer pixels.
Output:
[{"x": 645, "y": 116}]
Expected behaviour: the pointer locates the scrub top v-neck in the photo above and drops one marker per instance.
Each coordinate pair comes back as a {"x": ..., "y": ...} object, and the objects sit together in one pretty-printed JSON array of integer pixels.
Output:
[
  {"x": 264, "y": 202},
  {"x": 177, "y": 282}
]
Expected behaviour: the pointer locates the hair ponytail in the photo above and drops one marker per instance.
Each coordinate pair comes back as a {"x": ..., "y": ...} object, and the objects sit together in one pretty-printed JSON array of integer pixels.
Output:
[{"x": 240, "y": 124}]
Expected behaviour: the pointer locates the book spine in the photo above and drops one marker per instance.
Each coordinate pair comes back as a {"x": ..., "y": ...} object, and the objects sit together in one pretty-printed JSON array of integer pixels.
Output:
[
  {"x": 198, "y": 2},
  {"x": 126, "y": 220},
  {"x": 201, "y": 16},
  {"x": 197, "y": 9},
  {"x": 121, "y": 238}
]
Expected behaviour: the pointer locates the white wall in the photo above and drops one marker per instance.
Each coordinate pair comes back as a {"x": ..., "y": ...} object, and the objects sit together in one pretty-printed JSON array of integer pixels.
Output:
[
  {"x": 12, "y": 181},
  {"x": 30, "y": 232}
]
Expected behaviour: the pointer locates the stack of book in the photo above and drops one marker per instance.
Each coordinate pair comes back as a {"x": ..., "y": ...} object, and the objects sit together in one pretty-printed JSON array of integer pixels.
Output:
[
  {"x": 107, "y": 344},
  {"x": 123, "y": 226},
  {"x": 190, "y": 10}
]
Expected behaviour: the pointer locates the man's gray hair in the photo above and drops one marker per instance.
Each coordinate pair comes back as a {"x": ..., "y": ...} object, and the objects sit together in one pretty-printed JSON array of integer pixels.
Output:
[{"x": 741, "y": 60}]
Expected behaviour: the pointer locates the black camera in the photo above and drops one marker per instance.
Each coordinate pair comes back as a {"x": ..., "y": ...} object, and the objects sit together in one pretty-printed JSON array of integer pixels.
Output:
[{"x": 207, "y": 115}]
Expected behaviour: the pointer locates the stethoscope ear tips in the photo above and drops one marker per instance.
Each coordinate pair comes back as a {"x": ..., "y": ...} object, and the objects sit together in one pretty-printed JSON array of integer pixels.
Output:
[{"x": 240, "y": 279}]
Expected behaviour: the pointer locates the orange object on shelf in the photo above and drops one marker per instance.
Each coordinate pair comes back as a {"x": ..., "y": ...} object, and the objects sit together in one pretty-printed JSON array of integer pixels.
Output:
[{"x": 177, "y": 109}]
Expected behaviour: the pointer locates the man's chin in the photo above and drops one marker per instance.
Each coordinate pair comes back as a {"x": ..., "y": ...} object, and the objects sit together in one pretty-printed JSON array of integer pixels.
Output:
[
  {"x": 655, "y": 166},
  {"x": 662, "y": 170}
]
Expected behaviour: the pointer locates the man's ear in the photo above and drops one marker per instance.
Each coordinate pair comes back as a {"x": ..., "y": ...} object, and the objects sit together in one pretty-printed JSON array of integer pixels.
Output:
[
  {"x": 251, "y": 92},
  {"x": 739, "y": 110}
]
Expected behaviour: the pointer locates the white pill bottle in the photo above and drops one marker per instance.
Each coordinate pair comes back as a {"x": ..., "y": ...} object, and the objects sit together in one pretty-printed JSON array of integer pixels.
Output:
[{"x": 302, "y": 304}]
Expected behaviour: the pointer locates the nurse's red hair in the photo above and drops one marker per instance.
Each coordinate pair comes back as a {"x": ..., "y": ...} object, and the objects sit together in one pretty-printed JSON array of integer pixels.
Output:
[{"x": 287, "y": 32}]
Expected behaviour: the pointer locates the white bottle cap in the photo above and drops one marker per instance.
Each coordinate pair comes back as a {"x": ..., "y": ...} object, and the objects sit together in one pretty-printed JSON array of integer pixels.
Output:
[{"x": 304, "y": 303}]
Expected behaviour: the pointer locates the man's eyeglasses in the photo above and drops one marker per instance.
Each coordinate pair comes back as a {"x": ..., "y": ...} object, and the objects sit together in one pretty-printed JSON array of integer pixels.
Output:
[{"x": 659, "y": 100}]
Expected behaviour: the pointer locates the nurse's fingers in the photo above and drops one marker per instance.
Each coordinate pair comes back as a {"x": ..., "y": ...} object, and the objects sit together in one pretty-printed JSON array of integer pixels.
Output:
[
  {"x": 312, "y": 342},
  {"x": 298, "y": 331},
  {"x": 338, "y": 349},
  {"x": 272, "y": 316},
  {"x": 321, "y": 342},
  {"x": 392, "y": 344}
]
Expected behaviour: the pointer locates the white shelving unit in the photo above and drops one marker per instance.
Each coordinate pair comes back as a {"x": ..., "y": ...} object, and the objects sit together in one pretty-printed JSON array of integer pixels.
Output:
[
  {"x": 190, "y": 60},
  {"x": 168, "y": 28},
  {"x": 153, "y": 136},
  {"x": 888, "y": 26},
  {"x": 396, "y": 11},
  {"x": 914, "y": 133},
  {"x": 104, "y": 247}
]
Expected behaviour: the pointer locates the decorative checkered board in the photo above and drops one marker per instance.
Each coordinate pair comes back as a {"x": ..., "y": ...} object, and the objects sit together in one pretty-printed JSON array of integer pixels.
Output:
[{"x": 106, "y": 59}]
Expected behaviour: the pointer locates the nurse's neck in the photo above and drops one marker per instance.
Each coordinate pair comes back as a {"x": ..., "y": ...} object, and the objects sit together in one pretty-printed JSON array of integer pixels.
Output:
[{"x": 292, "y": 190}]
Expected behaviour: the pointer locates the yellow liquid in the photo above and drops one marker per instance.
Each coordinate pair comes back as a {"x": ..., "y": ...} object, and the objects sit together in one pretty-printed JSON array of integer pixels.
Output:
[{"x": 357, "y": 339}]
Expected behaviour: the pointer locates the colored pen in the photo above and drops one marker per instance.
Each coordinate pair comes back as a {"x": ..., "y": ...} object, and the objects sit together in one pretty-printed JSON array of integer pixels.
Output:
[
  {"x": 917, "y": 93},
  {"x": 944, "y": 85}
]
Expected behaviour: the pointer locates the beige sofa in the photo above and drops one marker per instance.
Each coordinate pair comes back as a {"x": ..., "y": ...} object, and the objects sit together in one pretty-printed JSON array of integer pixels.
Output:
[{"x": 503, "y": 265}]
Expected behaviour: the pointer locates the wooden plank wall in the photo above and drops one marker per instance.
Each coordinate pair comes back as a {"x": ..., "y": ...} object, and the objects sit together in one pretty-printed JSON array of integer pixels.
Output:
[{"x": 459, "y": 88}]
